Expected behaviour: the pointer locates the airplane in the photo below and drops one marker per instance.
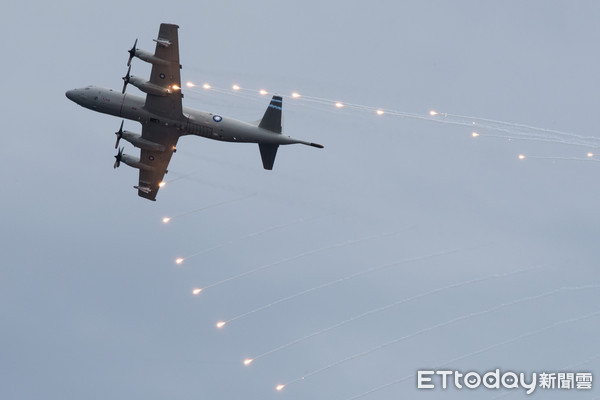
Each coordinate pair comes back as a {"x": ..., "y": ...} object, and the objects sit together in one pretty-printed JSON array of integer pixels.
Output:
[{"x": 164, "y": 120}]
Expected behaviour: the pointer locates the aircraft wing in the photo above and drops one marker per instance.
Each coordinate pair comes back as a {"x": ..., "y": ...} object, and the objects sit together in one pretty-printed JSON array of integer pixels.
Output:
[
  {"x": 156, "y": 161},
  {"x": 166, "y": 75}
]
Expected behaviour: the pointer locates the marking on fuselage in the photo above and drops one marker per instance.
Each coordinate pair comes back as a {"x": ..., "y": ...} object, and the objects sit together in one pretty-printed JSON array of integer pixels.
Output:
[
  {"x": 275, "y": 107},
  {"x": 217, "y": 118},
  {"x": 162, "y": 76}
]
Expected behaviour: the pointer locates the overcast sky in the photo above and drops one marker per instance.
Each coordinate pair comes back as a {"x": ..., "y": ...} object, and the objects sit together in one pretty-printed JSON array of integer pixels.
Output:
[{"x": 93, "y": 306}]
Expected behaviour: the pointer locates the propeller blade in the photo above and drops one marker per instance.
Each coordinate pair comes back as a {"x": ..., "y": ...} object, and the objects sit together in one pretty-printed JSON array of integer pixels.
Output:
[
  {"x": 119, "y": 135},
  {"x": 126, "y": 79},
  {"x": 132, "y": 53},
  {"x": 118, "y": 158}
]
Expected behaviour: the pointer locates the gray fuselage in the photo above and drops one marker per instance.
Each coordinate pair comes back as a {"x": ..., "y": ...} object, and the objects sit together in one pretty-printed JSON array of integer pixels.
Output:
[{"x": 192, "y": 122}]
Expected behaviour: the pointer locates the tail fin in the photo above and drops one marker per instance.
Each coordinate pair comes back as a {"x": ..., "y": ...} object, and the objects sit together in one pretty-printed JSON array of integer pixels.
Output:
[
  {"x": 272, "y": 118},
  {"x": 271, "y": 121},
  {"x": 268, "y": 153}
]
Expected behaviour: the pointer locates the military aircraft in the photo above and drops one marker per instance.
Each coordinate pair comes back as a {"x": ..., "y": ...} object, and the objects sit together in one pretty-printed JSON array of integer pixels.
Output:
[{"x": 164, "y": 119}]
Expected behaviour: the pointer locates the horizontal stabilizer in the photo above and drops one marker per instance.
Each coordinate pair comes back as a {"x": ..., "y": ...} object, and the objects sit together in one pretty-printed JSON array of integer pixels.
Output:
[
  {"x": 272, "y": 118},
  {"x": 268, "y": 153}
]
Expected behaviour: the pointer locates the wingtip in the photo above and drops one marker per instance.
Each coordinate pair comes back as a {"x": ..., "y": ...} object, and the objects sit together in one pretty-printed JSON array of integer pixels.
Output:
[{"x": 317, "y": 145}]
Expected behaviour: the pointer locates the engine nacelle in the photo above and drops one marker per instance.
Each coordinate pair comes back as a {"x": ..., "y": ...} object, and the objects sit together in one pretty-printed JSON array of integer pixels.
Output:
[
  {"x": 149, "y": 88},
  {"x": 135, "y": 162},
  {"x": 139, "y": 142},
  {"x": 149, "y": 57}
]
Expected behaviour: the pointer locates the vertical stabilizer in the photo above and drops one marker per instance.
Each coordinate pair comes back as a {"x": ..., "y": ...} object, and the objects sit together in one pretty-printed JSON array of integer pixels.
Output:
[
  {"x": 271, "y": 121},
  {"x": 268, "y": 153},
  {"x": 272, "y": 118}
]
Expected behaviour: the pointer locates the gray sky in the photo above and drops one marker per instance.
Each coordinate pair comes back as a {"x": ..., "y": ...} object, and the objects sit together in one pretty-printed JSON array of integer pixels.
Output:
[{"x": 93, "y": 305}]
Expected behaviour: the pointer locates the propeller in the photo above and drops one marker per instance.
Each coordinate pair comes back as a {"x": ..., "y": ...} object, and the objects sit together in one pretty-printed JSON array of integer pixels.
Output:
[
  {"x": 118, "y": 157},
  {"x": 132, "y": 53},
  {"x": 119, "y": 135},
  {"x": 126, "y": 80}
]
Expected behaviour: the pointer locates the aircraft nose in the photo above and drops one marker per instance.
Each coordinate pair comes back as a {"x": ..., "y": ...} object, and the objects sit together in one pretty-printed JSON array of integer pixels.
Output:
[{"x": 70, "y": 94}]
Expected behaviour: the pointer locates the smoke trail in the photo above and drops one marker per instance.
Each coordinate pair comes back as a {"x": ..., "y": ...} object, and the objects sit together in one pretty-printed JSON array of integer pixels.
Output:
[
  {"x": 304, "y": 254},
  {"x": 440, "y": 325},
  {"x": 485, "y": 349},
  {"x": 209, "y": 206},
  {"x": 396, "y": 303},
  {"x": 513, "y": 131},
  {"x": 356, "y": 317},
  {"x": 504, "y": 132},
  {"x": 587, "y": 159},
  {"x": 257, "y": 233},
  {"x": 527, "y": 127}
]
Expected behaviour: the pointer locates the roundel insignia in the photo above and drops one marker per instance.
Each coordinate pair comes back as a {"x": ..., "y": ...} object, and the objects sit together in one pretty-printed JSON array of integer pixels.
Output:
[
  {"x": 217, "y": 118},
  {"x": 162, "y": 76},
  {"x": 151, "y": 158}
]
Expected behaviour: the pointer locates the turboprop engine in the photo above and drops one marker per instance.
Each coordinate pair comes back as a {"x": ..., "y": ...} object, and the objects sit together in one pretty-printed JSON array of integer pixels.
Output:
[
  {"x": 145, "y": 86},
  {"x": 137, "y": 140},
  {"x": 129, "y": 160},
  {"x": 144, "y": 56}
]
